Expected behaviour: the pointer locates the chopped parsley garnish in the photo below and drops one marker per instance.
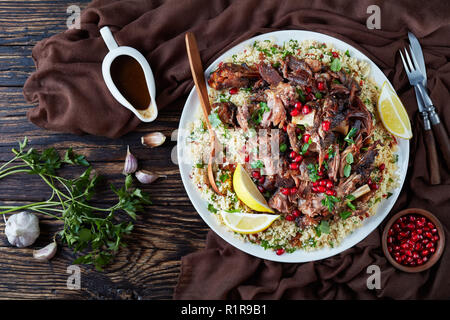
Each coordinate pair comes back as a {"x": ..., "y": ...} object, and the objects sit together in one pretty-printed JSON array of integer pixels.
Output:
[
  {"x": 312, "y": 169},
  {"x": 224, "y": 98},
  {"x": 394, "y": 158},
  {"x": 329, "y": 202},
  {"x": 351, "y": 206},
  {"x": 323, "y": 227},
  {"x": 348, "y": 167},
  {"x": 335, "y": 65},
  {"x": 258, "y": 114},
  {"x": 257, "y": 164},
  {"x": 211, "y": 208},
  {"x": 214, "y": 119},
  {"x": 200, "y": 165},
  {"x": 350, "y": 135},
  {"x": 330, "y": 152},
  {"x": 389, "y": 194},
  {"x": 350, "y": 197},
  {"x": 224, "y": 177},
  {"x": 347, "y": 53},
  {"x": 345, "y": 214},
  {"x": 301, "y": 96},
  {"x": 283, "y": 147},
  {"x": 318, "y": 95}
]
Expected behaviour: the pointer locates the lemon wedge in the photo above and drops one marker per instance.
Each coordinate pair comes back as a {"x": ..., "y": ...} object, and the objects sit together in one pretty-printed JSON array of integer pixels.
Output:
[
  {"x": 248, "y": 223},
  {"x": 393, "y": 114},
  {"x": 247, "y": 191}
]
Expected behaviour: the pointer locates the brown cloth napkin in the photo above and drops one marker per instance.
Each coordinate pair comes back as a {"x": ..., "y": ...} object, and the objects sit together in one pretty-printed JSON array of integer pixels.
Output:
[{"x": 223, "y": 272}]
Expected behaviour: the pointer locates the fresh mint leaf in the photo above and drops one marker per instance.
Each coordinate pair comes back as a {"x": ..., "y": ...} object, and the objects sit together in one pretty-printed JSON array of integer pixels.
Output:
[{"x": 335, "y": 65}]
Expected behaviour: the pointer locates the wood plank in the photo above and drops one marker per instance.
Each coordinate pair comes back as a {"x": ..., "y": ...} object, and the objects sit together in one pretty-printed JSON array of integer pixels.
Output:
[{"x": 26, "y": 22}]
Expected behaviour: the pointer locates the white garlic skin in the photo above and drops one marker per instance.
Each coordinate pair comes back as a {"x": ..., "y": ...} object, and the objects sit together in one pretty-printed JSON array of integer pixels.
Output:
[
  {"x": 131, "y": 164},
  {"x": 45, "y": 253},
  {"x": 146, "y": 177},
  {"x": 22, "y": 229},
  {"x": 154, "y": 139}
]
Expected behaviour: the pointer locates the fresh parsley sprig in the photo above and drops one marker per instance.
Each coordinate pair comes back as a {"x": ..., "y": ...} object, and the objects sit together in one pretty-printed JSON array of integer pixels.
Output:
[{"x": 94, "y": 233}]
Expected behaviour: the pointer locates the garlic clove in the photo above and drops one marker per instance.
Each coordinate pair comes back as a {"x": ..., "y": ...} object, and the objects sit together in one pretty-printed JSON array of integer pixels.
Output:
[
  {"x": 154, "y": 139},
  {"x": 45, "y": 253},
  {"x": 130, "y": 165},
  {"x": 147, "y": 177}
]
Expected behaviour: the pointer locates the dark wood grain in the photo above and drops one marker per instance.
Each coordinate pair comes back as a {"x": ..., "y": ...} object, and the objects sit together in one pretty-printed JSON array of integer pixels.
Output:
[
  {"x": 432, "y": 157},
  {"x": 170, "y": 228}
]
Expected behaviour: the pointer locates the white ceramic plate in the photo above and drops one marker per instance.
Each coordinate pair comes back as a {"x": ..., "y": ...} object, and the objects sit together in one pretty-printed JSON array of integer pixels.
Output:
[{"x": 190, "y": 112}]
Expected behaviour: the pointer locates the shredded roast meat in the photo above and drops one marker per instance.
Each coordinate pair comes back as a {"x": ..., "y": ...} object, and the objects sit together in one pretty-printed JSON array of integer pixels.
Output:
[{"x": 335, "y": 144}]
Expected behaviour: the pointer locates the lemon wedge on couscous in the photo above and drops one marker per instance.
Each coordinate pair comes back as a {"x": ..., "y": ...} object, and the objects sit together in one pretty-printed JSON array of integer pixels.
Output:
[
  {"x": 393, "y": 114},
  {"x": 247, "y": 191},
  {"x": 248, "y": 223}
]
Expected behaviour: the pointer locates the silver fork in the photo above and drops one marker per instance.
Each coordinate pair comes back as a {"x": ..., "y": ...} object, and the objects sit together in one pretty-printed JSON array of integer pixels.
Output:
[{"x": 416, "y": 78}]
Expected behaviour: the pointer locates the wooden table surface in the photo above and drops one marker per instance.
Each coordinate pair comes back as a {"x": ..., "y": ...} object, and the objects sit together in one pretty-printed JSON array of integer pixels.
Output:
[{"x": 169, "y": 229}]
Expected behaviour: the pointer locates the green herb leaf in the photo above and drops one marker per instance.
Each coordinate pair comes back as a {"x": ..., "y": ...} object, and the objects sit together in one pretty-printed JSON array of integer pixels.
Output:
[
  {"x": 211, "y": 208},
  {"x": 214, "y": 119},
  {"x": 283, "y": 147},
  {"x": 335, "y": 65},
  {"x": 347, "y": 170},
  {"x": 349, "y": 158},
  {"x": 345, "y": 214},
  {"x": 257, "y": 164},
  {"x": 347, "y": 53}
]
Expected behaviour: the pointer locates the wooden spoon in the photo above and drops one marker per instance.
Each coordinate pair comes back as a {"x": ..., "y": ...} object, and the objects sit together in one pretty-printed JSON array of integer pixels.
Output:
[{"x": 200, "y": 86}]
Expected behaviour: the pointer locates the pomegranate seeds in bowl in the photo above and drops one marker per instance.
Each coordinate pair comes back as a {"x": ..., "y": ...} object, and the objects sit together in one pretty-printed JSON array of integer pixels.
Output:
[{"x": 413, "y": 240}]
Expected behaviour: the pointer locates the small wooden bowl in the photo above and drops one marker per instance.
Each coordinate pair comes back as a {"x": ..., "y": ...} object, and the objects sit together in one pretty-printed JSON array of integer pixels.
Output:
[{"x": 439, "y": 248}]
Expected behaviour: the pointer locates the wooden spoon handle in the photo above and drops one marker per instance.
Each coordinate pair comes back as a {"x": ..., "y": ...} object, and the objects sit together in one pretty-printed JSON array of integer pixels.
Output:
[
  {"x": 432, "y": 158},
  {"x": 198, "y": 75}
]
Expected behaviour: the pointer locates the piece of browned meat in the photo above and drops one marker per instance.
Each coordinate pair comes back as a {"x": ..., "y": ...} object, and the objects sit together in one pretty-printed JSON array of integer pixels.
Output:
[
  {"x": 314, "y": 65},
  {"x": 286, "y": 93},
  {"x": 243, "y": 116},
  {"x": 293, "y": 138},
  {"x": 278, "y": 115},
  {"x": 226, "y": 112},
  {"x": 269, "y": 74},
  {"x": 280, "y": 203},
  {"x": 297, "y": 71},
  {"x": 334, "y": 164},
  {"x": 230, "y": 75}
]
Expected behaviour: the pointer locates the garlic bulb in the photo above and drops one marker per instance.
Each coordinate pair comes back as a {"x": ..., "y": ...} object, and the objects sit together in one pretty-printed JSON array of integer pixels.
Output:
[
  {"x": 147, "y": 177},
  {"x": 131, "y": 164},
  {"x": 45, "y": 253},
  {"x": 154, "y": 139},
  {"x": 22, "y": 229}
]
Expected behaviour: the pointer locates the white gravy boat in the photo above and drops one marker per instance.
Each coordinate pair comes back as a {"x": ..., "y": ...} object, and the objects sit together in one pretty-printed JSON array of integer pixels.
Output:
[{"x": 145, "y": 115}]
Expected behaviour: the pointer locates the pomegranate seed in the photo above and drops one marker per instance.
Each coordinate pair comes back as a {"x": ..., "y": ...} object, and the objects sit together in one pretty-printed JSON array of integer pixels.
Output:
[
  {"x": 321, "y": 189},
  {"x": 320, "y": 173},
  {"x": 335, "y": 54},
  {"x": 391, "y": 232},
  {"x": 434, "y": 230},
  {"x": 419, "y": 262},
  {"x": 374, "y": 186},
  {"x": 432, "y": 250},
  {"x": 425, "y": 252},
  {"x": 298, "y": 105},
  {"x": 425, "y": 259},
  {"x": 293, "y": 166},
  {"x": 290, "y": 217},
  {"x": 429, "y": 245},
  {"x": 285, "y": 128},
  {"x": 390, "y": 240},
  {"x": 326, "y": 156},
  {"x": 233, "y": 90},
  {"x": 411, "y": 226},
  {"x": 296, "y": 213},
  {"x": 382, "y": 166},
  {"x": 417, "y": 247},
  {"x": 306, "y": 109},
  {"x": 315, "y": 184},
  {"x": 314, "y": 189},
  {"x": 322, "y": 183},
  {"x": 306, "y": 138},
  {"x": 293, "y": 190},
  {"x": 390, "y": 249},
  {"x": 256, "y": 174},
  {"x": 295, "y": 112},
  {"x": 329, "y": 184},
  {"x": 326, "y": 125},
  {"x": 261, "y": 189},
  {"x": 293, "y": 154},
  {"x": 261, "y": 180},
  {"x": 298, "y": 158},
  {"x": 436, "y": 238},
  {"x": 415, "y": 255},
  {"x": 280, "y": 251},
  {"x": 247, "y": 158},
  {"x": 361, "y": 83},
  {"x": 430, "y": 225},
  {"x": 320, "y": 86},
  {"x": 308, "y": 89},
  {"x": 329, "y": 192}
]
